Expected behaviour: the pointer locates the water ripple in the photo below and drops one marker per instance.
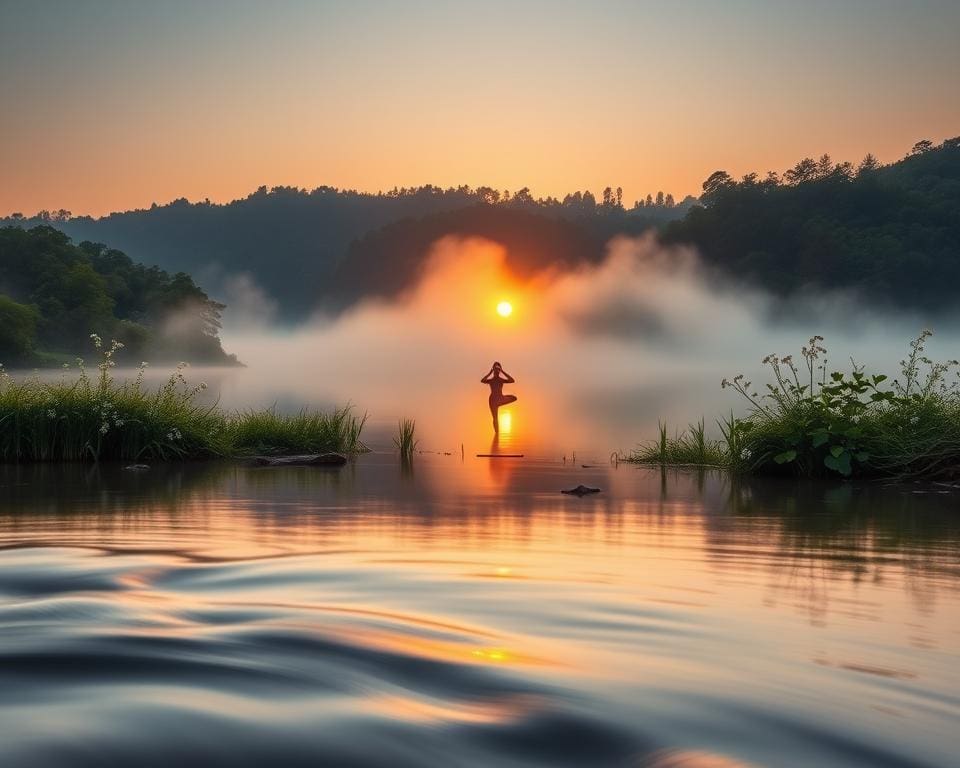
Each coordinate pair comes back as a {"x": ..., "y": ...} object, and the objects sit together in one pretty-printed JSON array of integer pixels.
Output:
[{"x": 415, "y": 628}]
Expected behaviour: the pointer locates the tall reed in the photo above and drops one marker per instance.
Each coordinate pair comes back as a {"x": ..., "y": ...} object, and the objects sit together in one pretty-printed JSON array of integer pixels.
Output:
[
  {"x": 406, "y": 441},
  {"x": 689, "y": 447}
]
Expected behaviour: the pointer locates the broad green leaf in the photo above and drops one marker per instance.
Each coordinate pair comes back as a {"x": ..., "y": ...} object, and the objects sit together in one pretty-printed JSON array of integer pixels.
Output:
[
  {"x": 820, "y": 437},
  {"x": 785, "y": 457},
  {"x": 841, "y": 464},
  {"x": 836, "y": 450}
]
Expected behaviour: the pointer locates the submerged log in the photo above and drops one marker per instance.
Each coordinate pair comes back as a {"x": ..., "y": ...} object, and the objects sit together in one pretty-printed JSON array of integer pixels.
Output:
[
  {"x": 305, "y": 460},
  {"x": 581, "y": 490},
  {"x": 499, "y": 455}
]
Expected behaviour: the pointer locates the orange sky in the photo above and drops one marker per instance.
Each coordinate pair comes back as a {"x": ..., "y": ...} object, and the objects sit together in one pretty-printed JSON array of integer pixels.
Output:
[{"x": 117, "y": 107}]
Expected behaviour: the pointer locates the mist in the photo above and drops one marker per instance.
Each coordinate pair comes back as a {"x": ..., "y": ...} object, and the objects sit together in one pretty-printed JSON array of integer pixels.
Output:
[{"x": 600, "y": 354}]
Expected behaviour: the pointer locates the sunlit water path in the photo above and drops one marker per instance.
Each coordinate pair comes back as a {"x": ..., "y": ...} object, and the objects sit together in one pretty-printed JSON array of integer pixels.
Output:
[{"x": 464, "y": 612}]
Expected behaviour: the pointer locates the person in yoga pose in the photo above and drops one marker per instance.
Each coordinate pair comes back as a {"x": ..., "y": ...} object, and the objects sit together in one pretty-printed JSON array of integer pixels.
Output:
[{"x": 496, "y": 378}]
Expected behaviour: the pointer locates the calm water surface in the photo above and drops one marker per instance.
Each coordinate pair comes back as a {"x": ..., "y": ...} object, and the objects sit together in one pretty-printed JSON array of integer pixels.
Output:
[{"x": 464, "y": 612}]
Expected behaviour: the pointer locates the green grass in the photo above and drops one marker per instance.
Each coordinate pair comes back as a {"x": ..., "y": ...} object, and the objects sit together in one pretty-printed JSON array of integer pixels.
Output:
[
  {"x": 265, "y": 432},
  {"x": 815, "y": 423},
  {"x": 80, "y": 418},
  {"x": 406, "y": 441},
  {"x": 691, "y": 447}
]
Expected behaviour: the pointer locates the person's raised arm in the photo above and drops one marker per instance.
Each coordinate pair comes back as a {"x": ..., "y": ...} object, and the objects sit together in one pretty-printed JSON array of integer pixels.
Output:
[
  {"x": 507, "y": 378},
  {"x": 488, "y": 377}
]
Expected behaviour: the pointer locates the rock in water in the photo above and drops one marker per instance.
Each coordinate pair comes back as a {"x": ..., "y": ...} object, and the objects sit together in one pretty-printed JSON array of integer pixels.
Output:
[
  {"x": 137, "y": 467},
  {"x": 307, "y": 460},
  {"x": 581, "y": 490}
]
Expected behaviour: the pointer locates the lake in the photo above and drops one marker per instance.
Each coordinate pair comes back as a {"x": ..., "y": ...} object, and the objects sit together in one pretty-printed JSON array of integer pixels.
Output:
[{"x": 462, "y": 611}]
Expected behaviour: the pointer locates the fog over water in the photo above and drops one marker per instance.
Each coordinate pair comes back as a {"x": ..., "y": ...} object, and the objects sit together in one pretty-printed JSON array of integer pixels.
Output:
[{"x": 599, "y": 354}]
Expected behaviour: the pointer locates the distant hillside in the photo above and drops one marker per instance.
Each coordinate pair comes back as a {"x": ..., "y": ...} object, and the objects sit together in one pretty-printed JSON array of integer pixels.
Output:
[
  {"x": 291, "y": 242},
  {"x": 890, "y": 232},
  {"x": 54, "y": 294},
  {"x": 389, "y": 260}
]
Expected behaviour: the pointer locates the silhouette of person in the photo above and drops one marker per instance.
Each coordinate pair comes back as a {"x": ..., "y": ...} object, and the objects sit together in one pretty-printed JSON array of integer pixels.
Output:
[{"x": 496, "y": 378}]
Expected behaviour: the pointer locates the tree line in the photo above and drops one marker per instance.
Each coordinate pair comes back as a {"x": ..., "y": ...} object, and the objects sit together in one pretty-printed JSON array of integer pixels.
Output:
[
  {"x": 291, "y": 242},
  {"x": 888, "y": 231}
]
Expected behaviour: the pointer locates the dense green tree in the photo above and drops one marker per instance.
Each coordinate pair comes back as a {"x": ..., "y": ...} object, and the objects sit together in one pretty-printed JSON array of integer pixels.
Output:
[
  {"x": 18, "y": 331},
  {"x": 715, "y": 182},
  {"x": 892, "y": 232},
  {"x": 73, "y": 291},
  {"x": 804, "y": 171},
  {"x": 868, "y": 164}
]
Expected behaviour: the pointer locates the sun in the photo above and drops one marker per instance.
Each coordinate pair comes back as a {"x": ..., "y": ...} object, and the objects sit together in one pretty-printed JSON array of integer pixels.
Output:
[{"x": 504, "y": 309}]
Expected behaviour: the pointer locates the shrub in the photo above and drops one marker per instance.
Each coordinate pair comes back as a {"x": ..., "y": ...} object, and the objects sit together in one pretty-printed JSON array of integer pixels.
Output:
[{"x": 813, "y": 423}]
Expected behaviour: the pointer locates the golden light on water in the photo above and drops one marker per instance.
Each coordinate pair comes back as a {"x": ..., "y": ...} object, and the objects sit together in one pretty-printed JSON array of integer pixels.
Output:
[{"x": 504, "y": 309}]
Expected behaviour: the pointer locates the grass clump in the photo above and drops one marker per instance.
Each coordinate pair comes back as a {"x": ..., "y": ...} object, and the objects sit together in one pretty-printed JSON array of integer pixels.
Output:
[
  {"x": 406, "y": 441},
  {"x": 814, "y": 422},
  {"x": 84, "y": 418},
  {"x": 266, "y": 432},
  {"x": 690, "y": 447}
]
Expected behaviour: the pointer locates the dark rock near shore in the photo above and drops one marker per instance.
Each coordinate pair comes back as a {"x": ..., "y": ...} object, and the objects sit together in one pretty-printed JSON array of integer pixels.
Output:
[
  {"x": 581, "y": 490},
  {"x": 306, "y": 460},
  {"x": 137, "y": 467}
]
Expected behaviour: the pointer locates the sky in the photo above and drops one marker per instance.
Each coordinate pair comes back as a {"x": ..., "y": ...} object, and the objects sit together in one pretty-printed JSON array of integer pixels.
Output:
[{"x": 115, "y": 105}]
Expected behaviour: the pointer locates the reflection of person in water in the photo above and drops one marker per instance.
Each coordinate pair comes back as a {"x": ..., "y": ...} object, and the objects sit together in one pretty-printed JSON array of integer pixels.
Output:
[{"x": 496, "y": 378}]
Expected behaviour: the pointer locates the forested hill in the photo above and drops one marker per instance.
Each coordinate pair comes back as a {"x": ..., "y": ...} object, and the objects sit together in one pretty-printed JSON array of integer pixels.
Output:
[
  {"x": 54, "y": 294},
  {"x": 891, "y": 232},
  {"x": 290, "y": 242},
  {"x": 390, "y": 260}
]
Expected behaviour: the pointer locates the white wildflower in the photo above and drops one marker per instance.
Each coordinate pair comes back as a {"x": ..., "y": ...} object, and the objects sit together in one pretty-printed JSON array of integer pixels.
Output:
[{"x": 745, "y": 454}]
